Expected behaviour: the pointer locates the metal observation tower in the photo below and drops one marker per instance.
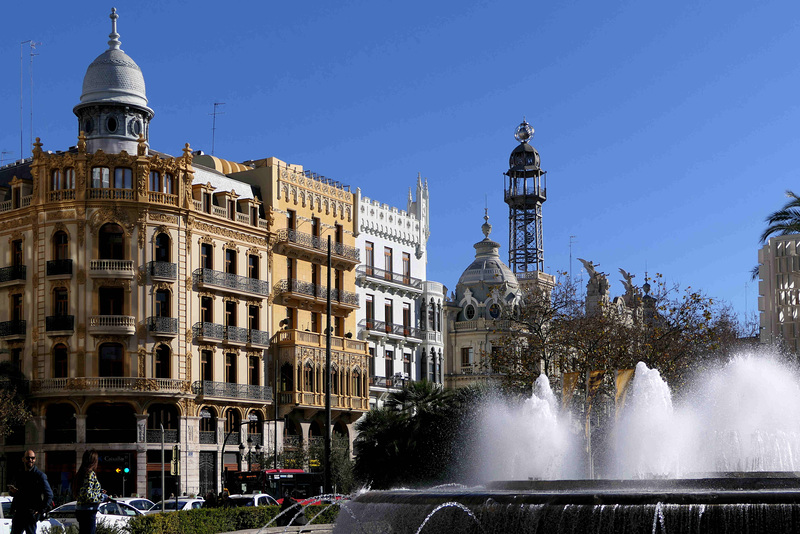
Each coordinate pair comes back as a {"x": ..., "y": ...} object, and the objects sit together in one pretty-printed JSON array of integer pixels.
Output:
[{"x": 525, "y": 191}]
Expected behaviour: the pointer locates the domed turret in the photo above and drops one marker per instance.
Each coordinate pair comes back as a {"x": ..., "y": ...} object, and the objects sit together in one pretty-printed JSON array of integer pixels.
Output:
[
  {"x": 113, "y": 111},
  {"x": 487, "y": 280}
]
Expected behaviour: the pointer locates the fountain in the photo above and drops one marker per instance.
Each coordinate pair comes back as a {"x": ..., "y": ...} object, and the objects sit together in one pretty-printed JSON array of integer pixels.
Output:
[{"x": 722, "y": 457}]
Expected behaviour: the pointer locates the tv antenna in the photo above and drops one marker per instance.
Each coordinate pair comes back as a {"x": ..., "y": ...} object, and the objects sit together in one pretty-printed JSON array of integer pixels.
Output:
[
  {"x": 3, "y": 155},
  {"x": 214, "y": 123},
  {"x": 31, "y": 47}
]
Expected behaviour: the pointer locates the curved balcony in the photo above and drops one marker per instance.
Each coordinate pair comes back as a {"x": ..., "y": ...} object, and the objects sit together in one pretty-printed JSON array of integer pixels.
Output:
[
  {"x": 111, "y": 269},
  {"x": 163, "y": 270},
  {"x": 295, "y": 292},
  {"x": 315, "y": 249},
  {"x": 211, "y": 279},
  {"x": 162, "y": 326},
  {"x": 124, "y": 325}
]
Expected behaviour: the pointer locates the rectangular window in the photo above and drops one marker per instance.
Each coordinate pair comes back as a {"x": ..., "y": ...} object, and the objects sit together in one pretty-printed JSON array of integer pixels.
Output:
[
  {"x": 387, "y": 262},
  {"x": 206, "y": 365},
  {"x": 252, "y": 266},
  {"x": 406, "y": 268},
  {"x": 168, "y": 187},
  {"x": 69, "y": 179},
  {"x": 406, "y": 318},
  {"x": 291, "y": 219},
  {"x": 61, "y": 302},
  {"x": 155, "y": 181},
  {"x": 372, "y": 361},
  {"x": 230, "y": 368},
  {"x": 207, "y": 256},
  {"x": 230, "y": 261},
  {"x": 16, "y": 307},
  {"x": 388, "y": 313},
  {"x": 315, "y": 322},
  {"x": 315, "y": 274},
  {"x": 389, "y": 364},
  {"x": 252, "y": 371},
  {"x": 17, "y": 258},
  {"x": 55, "y": 180},
  {"x": 207, "y": 202},
  {"x": 16, "y": 359},
  {"x": 206, "y": 310},
  {"x": 232, "y": 210},
  {"x": 315, "y": 226},
  {"x": 338, "y": 324},
  {"x": 252, "y": 317},
  {"x": 112, "y": 300},
  {"x": 289, "y": 269},
  {"x": 466, "y": 356},
  {"x": 339, "y": 233},
  {"x": 291, "y": 318},
  {"x": 369, "y": 260},
  {"x": 370, "y": 309},
  {"x": 407, "y": 365},
  {"x": 230, "y": 313}
]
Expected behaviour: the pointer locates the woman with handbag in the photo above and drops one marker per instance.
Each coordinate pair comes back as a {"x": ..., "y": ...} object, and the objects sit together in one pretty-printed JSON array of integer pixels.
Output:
[{"x": 87, "y": 490}]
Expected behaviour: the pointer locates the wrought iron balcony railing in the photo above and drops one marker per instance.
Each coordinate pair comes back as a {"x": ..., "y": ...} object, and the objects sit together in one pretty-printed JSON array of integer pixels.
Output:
[
  {"x": 231, "y": 281},
  {"x": 170, "y": 436},
  {"x": 287, "y": 235},
  {"x": 59, "y": 267},
  {"x": 208, "y": 388},
  {"x": 391, "y": 328},
  {"x": 12, "y": 328},
  {"x": 162, "y": 325},
  {"x": 389, "y": 276},
  {"x": 319, "y": 292},
  {"x": 235, "y": 334},
  {"x": 60, "y": 323},
  {"x": 15, "y": 272},
  {"x": 208, "y": 331},
  {"x": 163, "y": 269}
]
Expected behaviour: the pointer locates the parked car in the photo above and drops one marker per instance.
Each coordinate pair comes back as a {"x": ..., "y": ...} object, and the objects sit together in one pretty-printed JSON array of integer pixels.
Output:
[
  {"x": 110, "y": 512},
  {"x": 258, "y": 499},
  {"x": 5, "y": 519},
  {"x": 184, "y": 503},
  {"x": 140, "y": 503}
]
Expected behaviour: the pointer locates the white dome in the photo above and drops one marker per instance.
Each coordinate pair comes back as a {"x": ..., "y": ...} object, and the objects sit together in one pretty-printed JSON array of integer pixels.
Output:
[
  {"x": 114, "y": 78},
  {"x": 487, "y": 270}
]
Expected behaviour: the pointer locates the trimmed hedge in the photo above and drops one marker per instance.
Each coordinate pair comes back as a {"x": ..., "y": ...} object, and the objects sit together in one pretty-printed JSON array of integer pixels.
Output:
[{"x": 216, "y": 520}]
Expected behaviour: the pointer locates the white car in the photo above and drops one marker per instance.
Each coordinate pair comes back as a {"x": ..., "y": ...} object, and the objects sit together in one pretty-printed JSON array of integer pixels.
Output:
[
  {"x": 184, "y": 503},
  {"x": 109, "y": 512},
  {"x": 140, "y": 503},
  {"x": 5, "y": 519},
  {"x": 258, "y": 499}
]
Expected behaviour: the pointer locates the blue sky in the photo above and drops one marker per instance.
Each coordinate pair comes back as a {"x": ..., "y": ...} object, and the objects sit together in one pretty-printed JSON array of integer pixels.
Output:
[{"x": 668, "y": 130}]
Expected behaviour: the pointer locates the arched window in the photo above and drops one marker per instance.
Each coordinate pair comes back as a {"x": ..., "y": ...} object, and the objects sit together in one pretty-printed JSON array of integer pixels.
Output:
[
  {"x": 308, "y": 377},
  {"x": 356, "y": 389},
  {"x": 60, "y": 361},
  {"x": 55, "y": 180},
  {"x": 101, "y": 177},
  {"x": 162, "y": 303},
  {"x": 60, "y": 424},
  {"x": 123, "y": 178},
  {"x": 208, "y": 423},
  {"x": 334, "y": 380},
  {"x": 164, "y": 414},
  {"x": 69, "y": 178},
  {"x": 60, "y": 246},
  {"x": 110, "y": 360},
  {"x": 110, "y": 422},
  {"x": 111, "y": 242},
  {"x": 162, "y": 247},
  {"x": 161, "y": 363}
]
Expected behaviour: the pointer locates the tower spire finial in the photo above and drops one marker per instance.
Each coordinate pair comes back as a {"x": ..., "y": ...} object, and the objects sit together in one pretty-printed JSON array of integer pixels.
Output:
[
  {"x": 114, "y": 42},
  {"x": 486, "y": 227}
]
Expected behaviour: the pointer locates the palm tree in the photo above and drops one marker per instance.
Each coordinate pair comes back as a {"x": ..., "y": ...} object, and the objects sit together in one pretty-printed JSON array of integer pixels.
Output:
[{"x": 784, "y": 221}]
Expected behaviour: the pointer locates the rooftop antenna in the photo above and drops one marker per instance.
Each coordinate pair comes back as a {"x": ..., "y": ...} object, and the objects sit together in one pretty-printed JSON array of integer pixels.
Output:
[
  {"x": 31, "y": 47},
  {"x": 214, "y": 124},
  {"x": 571, "y": 240},
  {"x": 3, "y": 155}
]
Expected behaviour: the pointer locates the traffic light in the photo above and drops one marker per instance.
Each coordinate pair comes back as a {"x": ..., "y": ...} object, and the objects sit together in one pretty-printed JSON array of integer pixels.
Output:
[{"x": 122, "y": 470}]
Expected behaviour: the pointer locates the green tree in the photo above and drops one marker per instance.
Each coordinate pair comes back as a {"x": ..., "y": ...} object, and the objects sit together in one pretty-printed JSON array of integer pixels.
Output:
[
  {"x": 14, "y": 411},
  {"x": 784, "y": 221}
]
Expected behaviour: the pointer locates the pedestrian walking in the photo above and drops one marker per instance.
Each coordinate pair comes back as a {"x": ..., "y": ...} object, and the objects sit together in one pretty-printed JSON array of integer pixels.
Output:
[
  {"x": 87, "y": 490},
  {"x": 32, "y": 496}
]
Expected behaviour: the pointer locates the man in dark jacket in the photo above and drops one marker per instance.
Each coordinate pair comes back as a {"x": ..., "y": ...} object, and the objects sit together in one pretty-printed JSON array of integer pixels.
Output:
[{"x": 32, "y": 496}]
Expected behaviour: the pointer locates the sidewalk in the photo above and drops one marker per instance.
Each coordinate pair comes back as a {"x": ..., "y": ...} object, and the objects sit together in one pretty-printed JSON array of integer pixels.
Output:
[{"x": 317, "y": 529}]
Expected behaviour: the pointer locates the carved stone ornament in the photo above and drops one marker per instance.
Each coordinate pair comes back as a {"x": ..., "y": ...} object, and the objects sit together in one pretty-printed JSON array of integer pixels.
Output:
[
  {"x": 141, "y": 277},
  {"x": 81, "y": 232},
  {"x": 59, "y": 284},
  {"x": 108, "y": 214},
  {"x": 231, "y": 234},
  {"x": 142, "y": 355},
  {"x": 163, "y": 218},
  {"x": 81, "y": 276},
  {"x": 35, "y": 334},
  {"x": 60, "y": 215},
  {"x": 188, "y": 336}
]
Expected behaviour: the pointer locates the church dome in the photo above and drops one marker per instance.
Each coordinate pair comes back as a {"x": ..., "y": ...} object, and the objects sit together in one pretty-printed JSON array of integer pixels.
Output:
[
  {"x": 523, "y": 158},
  {"x": 114, "y": 78},
  {"x": 487, "y": 270}
]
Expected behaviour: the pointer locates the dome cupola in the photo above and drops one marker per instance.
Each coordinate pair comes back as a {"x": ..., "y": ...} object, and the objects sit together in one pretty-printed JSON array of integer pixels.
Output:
[{"x": 113, "y": 110}]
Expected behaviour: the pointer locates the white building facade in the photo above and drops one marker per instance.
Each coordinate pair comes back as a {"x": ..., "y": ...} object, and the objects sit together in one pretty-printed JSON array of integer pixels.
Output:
[
  {"x": 401, "y": 312},
  {"x": 779, "y": 291}
]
